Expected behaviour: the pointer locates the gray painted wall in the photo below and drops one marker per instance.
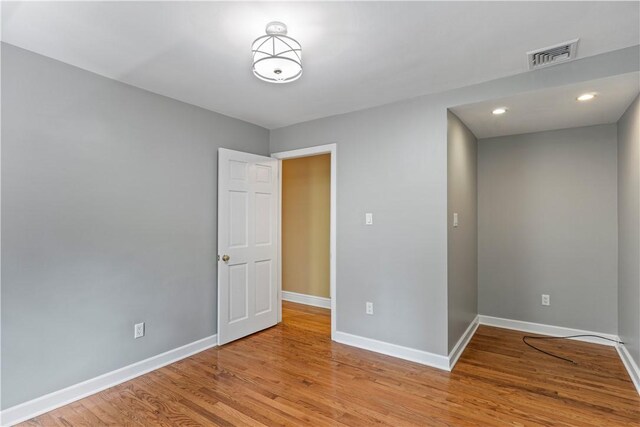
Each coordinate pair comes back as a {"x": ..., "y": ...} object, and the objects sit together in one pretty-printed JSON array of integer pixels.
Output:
[
  {"x": 108, "y": 219},
  {"x": 462, "y": 195},
  {"x": 386, "y": 167},
  {"x": 629, "y": 229},
  {"x": 392, "y": 161},
  {"x": 547, "y": 223}
]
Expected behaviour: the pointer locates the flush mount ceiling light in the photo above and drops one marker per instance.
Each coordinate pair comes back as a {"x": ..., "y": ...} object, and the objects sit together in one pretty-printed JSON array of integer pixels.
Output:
[
  {"x": 277, "y": 58},
  {"x": 499, "y": 111},
  {"x": 586, "y": 97}
]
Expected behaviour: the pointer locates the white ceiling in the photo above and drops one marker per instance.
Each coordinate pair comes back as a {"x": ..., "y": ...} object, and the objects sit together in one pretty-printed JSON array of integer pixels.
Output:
[
  {"x": 356, "y": 54},
  {"x": 555, "y": 108}
]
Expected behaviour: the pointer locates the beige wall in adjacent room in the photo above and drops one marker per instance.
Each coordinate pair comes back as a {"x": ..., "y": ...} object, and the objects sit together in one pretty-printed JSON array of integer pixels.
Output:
[{"x": 306, "y": 187}]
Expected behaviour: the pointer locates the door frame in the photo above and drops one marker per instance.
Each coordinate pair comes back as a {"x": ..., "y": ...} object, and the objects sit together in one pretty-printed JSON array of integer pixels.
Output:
[{"x": 307, "y": 152}]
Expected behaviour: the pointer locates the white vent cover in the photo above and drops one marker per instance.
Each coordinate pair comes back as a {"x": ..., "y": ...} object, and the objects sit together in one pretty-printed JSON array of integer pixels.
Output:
[{"x": 552, "y": 55}]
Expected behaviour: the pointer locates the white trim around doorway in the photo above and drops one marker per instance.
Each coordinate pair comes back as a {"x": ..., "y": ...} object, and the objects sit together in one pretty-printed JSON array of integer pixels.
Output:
[{"x": 306, "y": 152}]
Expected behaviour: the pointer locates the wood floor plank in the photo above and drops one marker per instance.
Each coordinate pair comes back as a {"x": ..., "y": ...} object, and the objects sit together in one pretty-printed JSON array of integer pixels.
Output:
[{"x": 293, "y": 375}]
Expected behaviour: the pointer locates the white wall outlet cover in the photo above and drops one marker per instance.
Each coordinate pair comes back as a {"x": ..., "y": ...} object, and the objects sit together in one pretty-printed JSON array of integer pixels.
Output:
[
  {"x": 368, "y": 218},
  {"x": 546, "y": 299},
  {"x": 455, "y": 219},
  {"x": 369, "y": 308},
  {"x": 138, "y": 330}
]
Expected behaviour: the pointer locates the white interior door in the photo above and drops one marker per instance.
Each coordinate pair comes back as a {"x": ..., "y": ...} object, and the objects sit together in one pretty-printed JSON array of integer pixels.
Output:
[{"x": 247, "y": 244}]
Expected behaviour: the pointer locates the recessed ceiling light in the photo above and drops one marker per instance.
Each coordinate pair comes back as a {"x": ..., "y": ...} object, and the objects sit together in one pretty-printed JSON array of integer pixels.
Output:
[
  {"x": 499, "y": 111},
  {"x": 586, "y": 97}
]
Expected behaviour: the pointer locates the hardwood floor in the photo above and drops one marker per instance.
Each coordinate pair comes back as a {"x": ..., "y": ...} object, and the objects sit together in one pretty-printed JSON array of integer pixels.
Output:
[{"x": 292, "y": 374}]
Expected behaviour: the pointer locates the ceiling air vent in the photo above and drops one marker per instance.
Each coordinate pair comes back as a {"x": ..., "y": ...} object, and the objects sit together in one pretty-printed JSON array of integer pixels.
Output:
[{"x": 552, "y": 55}]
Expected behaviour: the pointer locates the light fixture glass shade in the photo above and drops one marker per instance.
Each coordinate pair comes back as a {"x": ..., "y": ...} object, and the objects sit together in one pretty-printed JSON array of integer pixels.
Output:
[{"x": 277, "y": 58}]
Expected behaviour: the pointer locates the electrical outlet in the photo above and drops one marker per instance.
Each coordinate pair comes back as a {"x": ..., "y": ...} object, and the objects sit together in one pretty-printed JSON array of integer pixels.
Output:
[
  {"x": 545, "y": 299},
  {"x": 455, "y": 219},
  {"x": 138, "y": 330},
  {"x": 369, "y": 308}
]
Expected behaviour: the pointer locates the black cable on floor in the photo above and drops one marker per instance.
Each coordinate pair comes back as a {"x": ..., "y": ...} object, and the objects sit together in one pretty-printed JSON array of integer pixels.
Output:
[{"x": 524, "y": 340}]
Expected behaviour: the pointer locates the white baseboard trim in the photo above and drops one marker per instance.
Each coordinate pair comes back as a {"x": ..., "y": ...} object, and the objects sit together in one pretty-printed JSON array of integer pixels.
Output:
[
  {"x": 457, "y": 351},
  {"x": 306, "y": 299},
  {"x": 630, "y": 364},
  {"x": 406, "y": 353},
  {"x": 51, "y": 401},
  {"x": 539, "y": 328}
]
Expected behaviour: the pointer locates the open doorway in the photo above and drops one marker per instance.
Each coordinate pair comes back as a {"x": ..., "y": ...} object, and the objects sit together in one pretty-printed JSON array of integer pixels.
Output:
[
  {"x": 306, "y": 195},
  {"x": 306, "y": 270}
]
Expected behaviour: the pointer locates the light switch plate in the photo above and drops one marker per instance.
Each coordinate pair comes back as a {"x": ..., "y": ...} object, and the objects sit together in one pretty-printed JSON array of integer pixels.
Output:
[
  {"x": 368, "y": 218},
  {"x": 455, "y": 219}
]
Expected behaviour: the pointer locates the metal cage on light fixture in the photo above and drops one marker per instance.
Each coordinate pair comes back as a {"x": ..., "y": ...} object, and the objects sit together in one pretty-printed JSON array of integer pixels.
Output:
[{"x": 277, "y": 58}]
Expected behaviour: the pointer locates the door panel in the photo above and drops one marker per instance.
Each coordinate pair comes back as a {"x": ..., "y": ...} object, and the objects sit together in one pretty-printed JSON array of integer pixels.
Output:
[
  {"x": 238, "y": 292},
  {"x": 263, "y": 219},
  {"x": 247, "y": 227},
  {"x": 263, "y": 286},
  {"x": 238, "y": 219}
]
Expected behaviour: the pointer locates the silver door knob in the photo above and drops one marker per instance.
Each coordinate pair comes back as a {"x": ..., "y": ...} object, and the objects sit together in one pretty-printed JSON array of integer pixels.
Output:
[{"x": 225, "y": 258}]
